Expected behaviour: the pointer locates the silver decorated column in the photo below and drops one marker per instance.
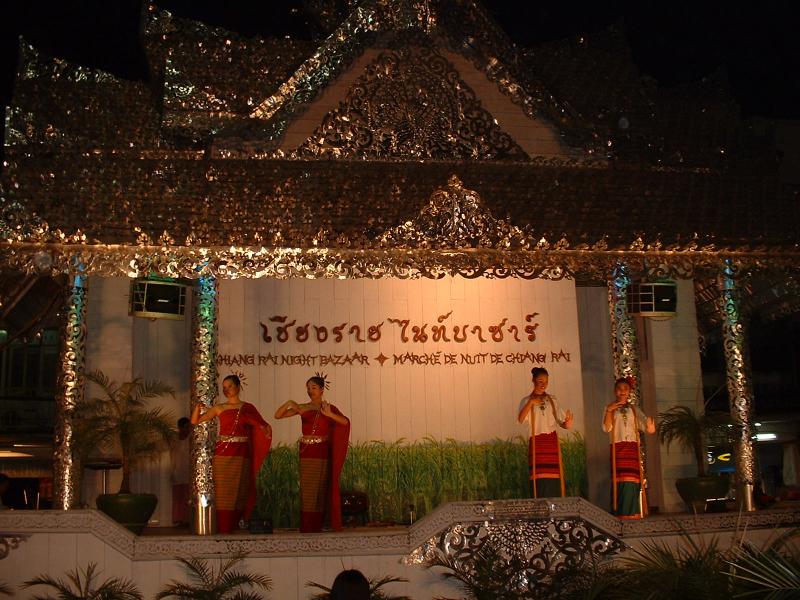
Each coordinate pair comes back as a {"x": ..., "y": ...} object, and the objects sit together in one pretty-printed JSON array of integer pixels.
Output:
[
  {"x": 66, "y": 471},
  {"x": 740, "y": 390},
  {"x": 625, "y": 353},
  {"x": 204, "y": 390},
  {"x": 624, "y": 345}
]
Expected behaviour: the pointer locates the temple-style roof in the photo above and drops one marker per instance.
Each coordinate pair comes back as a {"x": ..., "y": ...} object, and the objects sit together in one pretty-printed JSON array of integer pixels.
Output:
[
  {"x": 346, "y": 203},
  {"x": 266, "y": 146}
]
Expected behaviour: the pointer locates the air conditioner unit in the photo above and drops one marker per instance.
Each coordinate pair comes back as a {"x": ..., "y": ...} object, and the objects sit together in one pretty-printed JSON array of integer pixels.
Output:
[
  {"x": 652, "y": 299},
  {"x": 155, "y": 299}
]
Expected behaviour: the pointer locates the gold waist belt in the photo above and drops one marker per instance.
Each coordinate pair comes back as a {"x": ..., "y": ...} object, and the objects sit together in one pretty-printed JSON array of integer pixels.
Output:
[
  {"x": 313, "y": 439},
  {"x": 233, "y": 438}
]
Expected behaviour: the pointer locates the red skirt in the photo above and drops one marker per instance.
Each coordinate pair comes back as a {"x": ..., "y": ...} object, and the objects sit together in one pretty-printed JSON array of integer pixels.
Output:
[
  {"x": 543, "y": 456},
  {"x": 231, "y": 471},
  {"x": 314, "y": 483},
  {"x": 626, "y": 462}
]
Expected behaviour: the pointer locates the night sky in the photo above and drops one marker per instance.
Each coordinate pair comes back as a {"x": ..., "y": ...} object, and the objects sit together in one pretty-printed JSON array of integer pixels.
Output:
[{"x": 755, "y": 47}]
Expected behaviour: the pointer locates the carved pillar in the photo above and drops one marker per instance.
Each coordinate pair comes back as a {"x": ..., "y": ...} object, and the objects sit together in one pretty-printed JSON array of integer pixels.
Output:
[
  {"x": 624, "y": 345},
  {"x": 66, "y": 471},
  {"x": 740, "y": 390},
  {"x": 625, "y": 353},
  {"x": 204, "y": 390}
]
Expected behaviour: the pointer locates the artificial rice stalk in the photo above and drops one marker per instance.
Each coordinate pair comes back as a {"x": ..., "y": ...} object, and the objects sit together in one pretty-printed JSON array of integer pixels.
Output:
[{"x": 425, "y": 473}]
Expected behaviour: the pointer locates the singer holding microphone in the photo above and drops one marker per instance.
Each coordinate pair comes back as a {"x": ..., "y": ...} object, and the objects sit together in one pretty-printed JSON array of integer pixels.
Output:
[{"x": 623, "y": 421}]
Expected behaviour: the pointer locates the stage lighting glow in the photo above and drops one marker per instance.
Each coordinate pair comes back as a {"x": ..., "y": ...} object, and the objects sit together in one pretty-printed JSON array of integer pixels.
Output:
[{"x": 14, "y": 454}]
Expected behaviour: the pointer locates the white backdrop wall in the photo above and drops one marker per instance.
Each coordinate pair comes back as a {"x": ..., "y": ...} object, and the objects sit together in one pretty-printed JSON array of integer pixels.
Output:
[{"x": 466, "y": 402}]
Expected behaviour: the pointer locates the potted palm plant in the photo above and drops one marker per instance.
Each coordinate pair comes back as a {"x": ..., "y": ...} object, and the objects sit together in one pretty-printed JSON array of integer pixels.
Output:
[
  {"x": 82, "y": 585},
  {"x": 207, "y": 583},
  {"x": 691, "y": 430},
  {"x": 121, "y": 420}
]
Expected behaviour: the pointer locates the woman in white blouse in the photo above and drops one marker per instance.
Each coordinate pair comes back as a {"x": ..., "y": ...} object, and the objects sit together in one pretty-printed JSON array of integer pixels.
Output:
[
  {"x": 623, "y": 421},
  {"x": 544, "y": 451}
]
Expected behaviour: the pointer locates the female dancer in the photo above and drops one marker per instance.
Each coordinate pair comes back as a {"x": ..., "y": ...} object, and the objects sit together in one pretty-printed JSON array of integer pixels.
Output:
[
  {"x": 323, "y": 448},
  {"x": 623, "y": 421},
  {"x": 242, "y": 444},
  {"x": 544, "y": 453}
]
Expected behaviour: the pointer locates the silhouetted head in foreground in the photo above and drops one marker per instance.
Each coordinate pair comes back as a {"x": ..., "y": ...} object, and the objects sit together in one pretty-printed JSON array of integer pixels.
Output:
[{"x": 350, "y": 585}]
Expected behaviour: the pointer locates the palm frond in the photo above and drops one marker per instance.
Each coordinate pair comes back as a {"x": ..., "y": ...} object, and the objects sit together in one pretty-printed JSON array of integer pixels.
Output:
[
  {"x": 681, "y": 425},
  {"x": 81, "y": 585},
  {"x": 324, "y": 595},
  {"x": 781, "y": 542},
  {"x": 693, "y": 569},
  {"x": 764, "y": 573},
  {"x": 146, "y": 390},
  {"x": 102, "y": 380},
  {"x": 690, "y": 430},
  {"x": 119, "y": 420},
  {"x": 224, "y": 584}
]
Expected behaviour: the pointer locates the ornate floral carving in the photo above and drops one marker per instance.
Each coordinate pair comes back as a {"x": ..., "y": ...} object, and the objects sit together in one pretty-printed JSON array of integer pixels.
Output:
[
  {"x": 540, "y": 546},
  {"x": 739, "y": 380},
  {"x": 411, "y": 103},
  {"x": 9, "y": 542},
  {"x": 70, "y": 391},
  {"x": 455, "y": 218},
  {"x": 455, "y": 26},
  {"x": 204, "y": 387},
  {"x": 624, "y": 345},
  {"x": 344, "y": 263}
]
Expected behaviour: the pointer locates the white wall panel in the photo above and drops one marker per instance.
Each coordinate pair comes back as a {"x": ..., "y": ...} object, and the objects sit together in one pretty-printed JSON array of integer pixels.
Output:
[{"x": 472, "y": 399}]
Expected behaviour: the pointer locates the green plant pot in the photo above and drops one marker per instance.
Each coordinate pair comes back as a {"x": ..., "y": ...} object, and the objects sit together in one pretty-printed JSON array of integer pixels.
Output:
[
  {"x": 132, "y": 511},
  {"x": 694, "y": 491}
]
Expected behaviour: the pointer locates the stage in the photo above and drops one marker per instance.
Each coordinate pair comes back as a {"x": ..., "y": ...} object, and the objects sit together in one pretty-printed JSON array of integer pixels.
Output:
[{"x": 53, "y": 542}]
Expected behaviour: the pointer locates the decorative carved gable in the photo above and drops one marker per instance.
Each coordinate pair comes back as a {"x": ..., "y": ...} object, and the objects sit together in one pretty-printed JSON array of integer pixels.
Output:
[
  {"x": 411, "y": 103},
  {"x": 455, "y": 218}
]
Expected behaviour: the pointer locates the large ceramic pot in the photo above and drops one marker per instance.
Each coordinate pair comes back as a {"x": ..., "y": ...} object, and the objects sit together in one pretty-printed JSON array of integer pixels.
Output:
[
  {"x": 694, "y": 491},
  {"x": 132, "y": 511}
]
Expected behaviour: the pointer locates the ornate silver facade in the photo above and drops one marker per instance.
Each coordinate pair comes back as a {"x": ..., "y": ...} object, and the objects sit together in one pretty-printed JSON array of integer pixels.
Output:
[
  {"x": 531, "y": 544},
  {"x": 739, "y": 380},
  {"x": 411, "y": 102},
  {"x": 624, "y": 345},
  {"x": 204, "y": 391},
  {"x": 71, "y": 383}
]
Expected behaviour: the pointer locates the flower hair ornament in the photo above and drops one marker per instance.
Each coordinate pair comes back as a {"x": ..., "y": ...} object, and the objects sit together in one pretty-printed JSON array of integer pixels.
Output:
[
  {"x": 242, "y": 378},
  {"x": 324, "y": 377}
]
